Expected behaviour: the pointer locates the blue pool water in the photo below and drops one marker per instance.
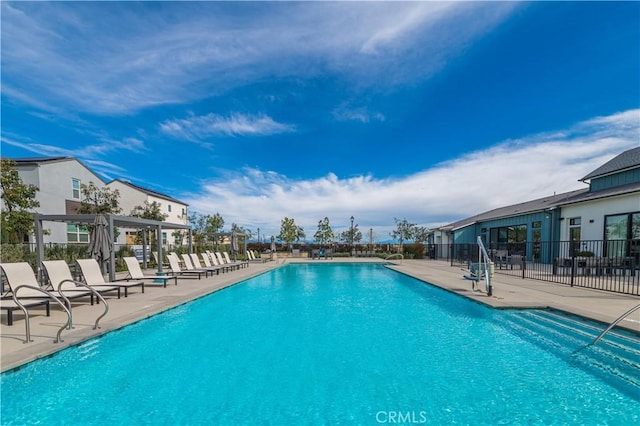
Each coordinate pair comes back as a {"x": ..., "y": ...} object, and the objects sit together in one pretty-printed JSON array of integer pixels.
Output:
[{"x": 320, "y": 344}]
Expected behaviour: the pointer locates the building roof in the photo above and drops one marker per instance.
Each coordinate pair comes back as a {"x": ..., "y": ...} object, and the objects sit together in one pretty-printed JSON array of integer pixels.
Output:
[
  {"x": 25, "y": 161},
  {"x": 627, "y": 160},
  {"x": 38, "y": 160},
  {"x": 547, "y": 203},
  {"x": 519, "y": 209},
  {"x": 149, "y": 191},
  {"x": 603, "y": 193}
]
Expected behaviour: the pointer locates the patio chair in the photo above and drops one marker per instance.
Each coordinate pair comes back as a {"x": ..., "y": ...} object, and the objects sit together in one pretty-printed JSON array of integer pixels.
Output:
[
  {"x": 196, "y": 262},
  {"x": 135, "y": 273},
  {"x": 174, "y": 265},
  {"x": 189, "y": 266},
  {"x": 28, "y": 298},
  {"x": 222, "y": 261},
  {"x": 215, "y": 262},
  {"x": 252, "y": 257},
  {"x": 240, "y": 263},
  {"x": 93, "y": 277},
  {"x": 25, "y": 291},
  {"x": 61, "y": 282}
]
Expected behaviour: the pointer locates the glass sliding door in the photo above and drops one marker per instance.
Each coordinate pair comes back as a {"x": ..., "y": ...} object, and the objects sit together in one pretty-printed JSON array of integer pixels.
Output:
[{"x": 616, "y": 234}]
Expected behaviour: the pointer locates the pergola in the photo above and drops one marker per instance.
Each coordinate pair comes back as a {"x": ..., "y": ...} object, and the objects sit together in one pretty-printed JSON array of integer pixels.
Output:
[
  {"x": 113, "y": 220},
  {"x": 215, "y": 236}
]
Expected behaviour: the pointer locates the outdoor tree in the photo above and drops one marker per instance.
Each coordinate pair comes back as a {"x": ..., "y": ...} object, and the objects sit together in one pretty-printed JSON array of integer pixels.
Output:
[
  {"x": 404, "y": 231},
  {"x": 19, "y": 200},
  {"x": 149, "y": 211},
  {"x": 420, "y": 234},
  {"x": 241, "y": 230},
  {"x": 352, "y": 235},
  {"x": 205, "y": 225},
  {"x": 290, "y": 232},
  {"x": 324, "y": 234},
  {"x": 96, "y": 200}
]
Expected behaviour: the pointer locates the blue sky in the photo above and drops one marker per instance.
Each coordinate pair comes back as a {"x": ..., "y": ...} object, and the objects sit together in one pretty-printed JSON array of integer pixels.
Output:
[{"x": 427, "y": 111}]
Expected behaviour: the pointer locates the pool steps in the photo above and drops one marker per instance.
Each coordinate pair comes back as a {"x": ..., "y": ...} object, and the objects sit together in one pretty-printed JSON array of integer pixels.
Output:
[{"x": 616, "y": 358}]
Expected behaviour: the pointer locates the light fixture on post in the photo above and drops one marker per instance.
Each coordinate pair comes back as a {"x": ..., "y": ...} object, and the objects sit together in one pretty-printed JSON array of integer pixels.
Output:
[{"x": 351, "y": 234}]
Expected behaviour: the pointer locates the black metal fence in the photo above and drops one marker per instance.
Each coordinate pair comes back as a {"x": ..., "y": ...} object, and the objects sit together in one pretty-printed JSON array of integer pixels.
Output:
[{"x": 604, "y": 265}]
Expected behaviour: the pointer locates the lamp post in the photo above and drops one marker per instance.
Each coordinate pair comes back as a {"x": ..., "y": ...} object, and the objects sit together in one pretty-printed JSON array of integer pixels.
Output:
[
  {"x": 351, "y": 234},
  {"x": 259, "y": 245}
]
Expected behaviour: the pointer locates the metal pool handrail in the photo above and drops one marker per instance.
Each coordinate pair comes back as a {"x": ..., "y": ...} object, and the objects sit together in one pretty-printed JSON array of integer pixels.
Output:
[
  {"x": 26, "y": 312},
  {"x": 395, "y": 255},
  {"x": 613, "y": 324},
  {"x": 484, "y": 259},
  {"x": 92, "y": 290}
]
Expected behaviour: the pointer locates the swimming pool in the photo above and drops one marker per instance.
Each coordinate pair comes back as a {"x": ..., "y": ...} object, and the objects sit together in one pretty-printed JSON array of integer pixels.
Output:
[{"x": 322, "y": 344}]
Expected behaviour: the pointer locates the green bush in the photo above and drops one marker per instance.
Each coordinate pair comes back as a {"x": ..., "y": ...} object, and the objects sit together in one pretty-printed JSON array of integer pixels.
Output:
[
  {"x": 414, "y": 251},
  {"x": 67, "y": 252},
  {"x": 12, "y": 253}
]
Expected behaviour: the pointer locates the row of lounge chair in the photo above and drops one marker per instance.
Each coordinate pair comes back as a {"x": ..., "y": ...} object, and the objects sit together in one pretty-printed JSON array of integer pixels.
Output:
[{"x": 25, "y": 291}]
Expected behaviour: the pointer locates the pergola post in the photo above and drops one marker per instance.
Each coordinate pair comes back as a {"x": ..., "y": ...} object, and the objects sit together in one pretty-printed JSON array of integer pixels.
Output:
[
  {"x": 39, "y": 245},
  {"x": 144, "y": 248},
  {"x": 112, "y": 256},
  {"x": 159, "y": 248}
]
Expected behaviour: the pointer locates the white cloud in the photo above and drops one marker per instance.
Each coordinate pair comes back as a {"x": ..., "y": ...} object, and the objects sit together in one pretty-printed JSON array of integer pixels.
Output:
[
  {"x": 508, "y": 173},
  {"x": 69, "y": 56},
  {"x": 91, "y": 154},
  {"x": 210, "y": 125},
  {"x": 361, "y": 114}
]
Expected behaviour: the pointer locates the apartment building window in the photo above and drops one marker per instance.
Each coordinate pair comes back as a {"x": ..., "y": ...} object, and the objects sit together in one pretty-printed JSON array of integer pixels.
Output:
[
  {"x": 622, "y": 235},
  {"x": 77, "y": 233},
  {"x": 169, "y": 208},
  {"x": 509, "y": 238},
  {"x": 75, "y": 188},
  {"x": 164, "y": 238}
]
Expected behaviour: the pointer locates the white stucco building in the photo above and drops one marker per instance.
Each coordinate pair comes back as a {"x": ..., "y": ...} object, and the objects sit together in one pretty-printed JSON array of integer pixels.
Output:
[
  {"x": 58, "y": 180},
  {"x": 132, "y": 196}
]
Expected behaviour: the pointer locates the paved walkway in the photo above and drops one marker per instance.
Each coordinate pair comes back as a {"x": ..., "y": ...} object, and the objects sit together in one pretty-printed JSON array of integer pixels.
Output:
[{"x": 509, "y": 292}]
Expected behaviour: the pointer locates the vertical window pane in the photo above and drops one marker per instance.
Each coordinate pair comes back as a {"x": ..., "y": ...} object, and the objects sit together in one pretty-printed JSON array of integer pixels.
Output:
[
  {"x": 75, "y": 188},
  {"x": 616, "y": 227},
  {"x": 635, "y": 226},
  {"x": 615, "y": 234}
]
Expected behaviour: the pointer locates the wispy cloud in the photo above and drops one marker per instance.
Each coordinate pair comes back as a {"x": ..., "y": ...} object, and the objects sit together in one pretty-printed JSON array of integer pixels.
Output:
[
  {"x": 64, "y": 55},
  {"x": 211, "y": 125},
  {"x": 508, "y": 173},
  {"x": 91, "y": 154},
  {"x": 361, "y": 114}
]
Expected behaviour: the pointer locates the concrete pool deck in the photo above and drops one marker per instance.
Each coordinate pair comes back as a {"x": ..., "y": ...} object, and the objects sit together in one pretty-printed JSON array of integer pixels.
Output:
[{"x": 509, "y": 292}]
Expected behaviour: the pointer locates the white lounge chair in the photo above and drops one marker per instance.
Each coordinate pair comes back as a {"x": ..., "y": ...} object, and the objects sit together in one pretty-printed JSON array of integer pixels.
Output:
[
  {"x": 135, "y": 272},
  {"x": 27, "y": 298},
  {"x": 25, "y": 289},
  {"x": 189, "y": 266},
  {"x": 61, "y": 282},
  {"x": 253, "y": 258},
  {"x": 216, "y": 262},
  {"x": 93, "y": 277},
  {"x": 222, "y": 261},
  {"x": 196, "y": 262},
  {"x": 240, "y": 263},
  {"x": 174, "y": 265},
  {"x": 210, "y": 261}
]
